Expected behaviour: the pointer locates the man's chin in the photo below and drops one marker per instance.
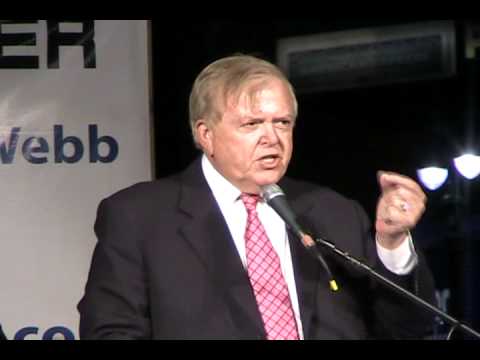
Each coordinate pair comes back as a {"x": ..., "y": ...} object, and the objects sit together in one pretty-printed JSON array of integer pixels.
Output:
[
  {"x": 261, "y": 178},
  {"x": 269, "y": 179}
]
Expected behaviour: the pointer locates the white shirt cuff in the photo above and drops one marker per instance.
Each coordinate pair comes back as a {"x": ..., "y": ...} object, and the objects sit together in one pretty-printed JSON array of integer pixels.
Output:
[{"x": 401, "y": 260}]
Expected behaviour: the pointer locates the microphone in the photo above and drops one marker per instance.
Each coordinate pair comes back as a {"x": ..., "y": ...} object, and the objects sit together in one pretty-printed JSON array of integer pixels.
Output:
[{"x": 275, "y": 198}]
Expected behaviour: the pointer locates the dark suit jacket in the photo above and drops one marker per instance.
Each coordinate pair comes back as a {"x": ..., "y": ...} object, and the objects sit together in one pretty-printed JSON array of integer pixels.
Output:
[
  {"x": 2, "y": 335},
  {"x": 165, "y": 267}
]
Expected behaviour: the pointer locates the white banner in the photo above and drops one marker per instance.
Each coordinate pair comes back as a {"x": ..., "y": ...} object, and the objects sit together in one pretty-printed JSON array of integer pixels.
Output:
[{"x": 74, "y": 128}]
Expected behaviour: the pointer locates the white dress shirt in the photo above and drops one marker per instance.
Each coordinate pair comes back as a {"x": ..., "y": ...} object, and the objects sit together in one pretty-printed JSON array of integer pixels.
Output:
[{"x": 399, "y": 261}]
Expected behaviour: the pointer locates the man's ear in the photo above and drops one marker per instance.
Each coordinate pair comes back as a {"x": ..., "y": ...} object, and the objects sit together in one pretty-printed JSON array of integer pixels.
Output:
[{"x": 203, "y": 134}]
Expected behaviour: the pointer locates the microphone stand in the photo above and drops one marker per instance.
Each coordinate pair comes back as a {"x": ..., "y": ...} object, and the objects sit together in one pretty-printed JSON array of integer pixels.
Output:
[{"x": 452, "y": 321}]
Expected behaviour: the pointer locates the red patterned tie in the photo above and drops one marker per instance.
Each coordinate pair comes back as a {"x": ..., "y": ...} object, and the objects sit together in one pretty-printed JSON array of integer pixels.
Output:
[{"x": 266, "y": 277}]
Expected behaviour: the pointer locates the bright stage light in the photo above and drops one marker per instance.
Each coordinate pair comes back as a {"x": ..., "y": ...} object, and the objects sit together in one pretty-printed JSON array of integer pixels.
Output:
[
  {"x": 432, "y": 177},
  {"x": 468, "y": 165}
]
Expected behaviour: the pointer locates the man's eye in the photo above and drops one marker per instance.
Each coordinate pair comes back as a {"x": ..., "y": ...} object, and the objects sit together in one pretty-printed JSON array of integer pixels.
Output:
[
  {"x": 283, "y": 123},
  {"x": 252, "y": 123}
]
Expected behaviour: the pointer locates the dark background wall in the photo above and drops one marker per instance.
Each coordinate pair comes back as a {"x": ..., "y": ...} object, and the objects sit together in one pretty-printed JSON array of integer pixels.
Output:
[{"x": 342, "y": 137}]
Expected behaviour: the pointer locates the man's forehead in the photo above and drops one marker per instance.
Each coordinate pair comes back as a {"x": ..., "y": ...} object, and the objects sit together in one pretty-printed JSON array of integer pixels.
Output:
[{"x": 260, "y": 99}]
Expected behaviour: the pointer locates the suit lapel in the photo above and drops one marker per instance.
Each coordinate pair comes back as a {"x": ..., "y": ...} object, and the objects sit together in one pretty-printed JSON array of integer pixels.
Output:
[{"x": 206, "y": 231}]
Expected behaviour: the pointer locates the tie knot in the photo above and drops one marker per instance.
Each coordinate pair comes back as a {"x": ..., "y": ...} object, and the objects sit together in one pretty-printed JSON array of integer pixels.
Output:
[{"x": 250, "y": 201}]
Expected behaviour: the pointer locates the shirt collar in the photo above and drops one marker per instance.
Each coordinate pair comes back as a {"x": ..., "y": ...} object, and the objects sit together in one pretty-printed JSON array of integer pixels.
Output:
[{"x": 222, "y": 189}]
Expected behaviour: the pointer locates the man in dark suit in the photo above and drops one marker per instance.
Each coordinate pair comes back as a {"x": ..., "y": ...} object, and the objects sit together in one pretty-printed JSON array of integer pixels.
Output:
[{"x": 174, "y": 256}]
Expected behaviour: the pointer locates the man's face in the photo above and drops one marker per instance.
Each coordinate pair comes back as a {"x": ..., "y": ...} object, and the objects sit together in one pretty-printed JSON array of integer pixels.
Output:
[{"x": 251, "y": 145}]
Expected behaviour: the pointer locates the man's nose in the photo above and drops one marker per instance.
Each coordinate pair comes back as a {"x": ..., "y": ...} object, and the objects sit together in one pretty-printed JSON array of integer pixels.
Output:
[{"x": 270, "y": 134}]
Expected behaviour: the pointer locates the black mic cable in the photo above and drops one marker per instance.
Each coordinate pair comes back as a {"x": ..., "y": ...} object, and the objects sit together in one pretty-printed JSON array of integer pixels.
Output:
[{"x": 275, "y": 198}]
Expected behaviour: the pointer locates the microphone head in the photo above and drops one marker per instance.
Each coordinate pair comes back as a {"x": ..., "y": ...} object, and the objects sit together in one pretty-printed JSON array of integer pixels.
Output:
[{"x": 270, "y": 191}]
